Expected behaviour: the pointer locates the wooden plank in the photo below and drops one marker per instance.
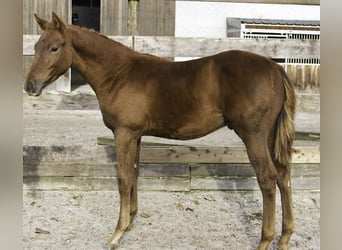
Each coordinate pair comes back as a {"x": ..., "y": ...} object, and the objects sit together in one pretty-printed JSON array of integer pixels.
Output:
[
  {"x": 34, "y": 155},
  {"x": 160, "y": 184},
  {"x": 308, "y": 103},
  {"x": 197, "y": 47},
  {"x": 184, "y": 154},
  {"x": 224, "y": 183},
  {"x": 221, "y": 170},
  {"x": 104, "y": 183},
  {"x": 243, "y": 183},
  {"x": 164, "y": 170},
  {"x": 246, "y": 170},
  {"x": 60, "y": 169},
  {"x": 306, "y": 183},
  {"x": 114, "y": 17},
  {"x": 306, "y": 155},
  {"x": 300, "y": 2},
  {"x": 28, "y": 44},
  {"x": 164, "y": 46},
  {"x": 157, "y": 18},
  {"x": 307, "y": 136},
  {"x": 306, "y": 170}
]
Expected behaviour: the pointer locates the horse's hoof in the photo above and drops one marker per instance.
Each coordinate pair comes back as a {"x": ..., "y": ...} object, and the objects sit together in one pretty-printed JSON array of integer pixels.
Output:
[
  {"x": 113, "y": 241},
  {"x": 110, "y": 246},
  {"x": 281, "y": 246}
]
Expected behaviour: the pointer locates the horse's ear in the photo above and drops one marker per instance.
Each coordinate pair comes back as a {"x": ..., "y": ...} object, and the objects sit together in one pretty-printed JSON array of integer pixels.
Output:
[
  {"x": 57, "y": 22},
  {"x": 41, "y": 22}
]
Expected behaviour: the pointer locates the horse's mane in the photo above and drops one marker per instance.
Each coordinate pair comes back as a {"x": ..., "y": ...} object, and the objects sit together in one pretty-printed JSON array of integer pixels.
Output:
[
  {"x": 93, "y": 31},
  {"x": 87, "y": 29},
  {"x": 98, "y": 34}
]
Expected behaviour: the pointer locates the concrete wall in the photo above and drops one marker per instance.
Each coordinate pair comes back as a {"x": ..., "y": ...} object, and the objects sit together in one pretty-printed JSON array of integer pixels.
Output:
[{"x": 208, "y": 19}]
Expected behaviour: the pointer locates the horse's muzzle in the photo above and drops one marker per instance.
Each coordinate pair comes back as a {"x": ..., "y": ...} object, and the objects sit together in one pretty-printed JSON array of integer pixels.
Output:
[{"x": 33, "y": 88}]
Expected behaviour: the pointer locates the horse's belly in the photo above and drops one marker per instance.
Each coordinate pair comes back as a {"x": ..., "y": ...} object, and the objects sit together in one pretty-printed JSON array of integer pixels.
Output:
[
  {"x": 192, "y": 132},
  {"x": 193, "y": 128}
]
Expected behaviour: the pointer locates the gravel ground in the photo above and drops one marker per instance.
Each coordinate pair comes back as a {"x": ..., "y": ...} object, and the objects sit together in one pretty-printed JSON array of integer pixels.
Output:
[{"x": 166, "y": 220}]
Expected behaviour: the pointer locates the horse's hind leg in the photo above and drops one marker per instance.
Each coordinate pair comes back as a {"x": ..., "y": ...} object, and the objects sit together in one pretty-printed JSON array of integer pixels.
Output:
[
  {"x": 266, "y": 173},
  {"x": 126, "y": 149},
  {"x": 134, "y": 191},
  {"x": 284, "y": 184}
]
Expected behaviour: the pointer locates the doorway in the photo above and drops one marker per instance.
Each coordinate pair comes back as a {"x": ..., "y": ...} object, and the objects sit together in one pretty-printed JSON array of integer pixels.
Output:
[{"x": 85, "y": 13}]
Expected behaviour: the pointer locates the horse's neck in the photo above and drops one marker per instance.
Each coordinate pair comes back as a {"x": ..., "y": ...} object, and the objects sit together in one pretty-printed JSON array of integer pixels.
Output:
[{"x": 98, "y": 58}]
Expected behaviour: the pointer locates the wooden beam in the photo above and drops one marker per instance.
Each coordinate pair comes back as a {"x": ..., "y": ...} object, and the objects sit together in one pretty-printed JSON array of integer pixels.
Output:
[
  {"x": 35, "y": 155},
  {"x": 159, "y": 170},
  {"x": 199, "y": 47},
  {"x": 246, "y": 184},
  {"x": 90, "y": 169},
  {"x": 183, "y": 154},
  {"x": 159, "y": 184},
  {"x": 73, "y": 183},
  {"x": 165, "y": 46},
  {"x": 113, "y": 17},
  {"x": 170, "y": 177},
  {"x": 174, "y": 168},
  {"x": 297, "y": 2}
]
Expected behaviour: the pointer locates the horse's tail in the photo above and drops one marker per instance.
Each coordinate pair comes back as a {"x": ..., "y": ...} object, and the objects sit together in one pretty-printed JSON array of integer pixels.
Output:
[{"x": 285, "y": 131}]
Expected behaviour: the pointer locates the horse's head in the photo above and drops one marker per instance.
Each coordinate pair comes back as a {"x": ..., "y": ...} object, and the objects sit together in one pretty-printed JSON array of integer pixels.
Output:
[{"x": 53, "y": 55}]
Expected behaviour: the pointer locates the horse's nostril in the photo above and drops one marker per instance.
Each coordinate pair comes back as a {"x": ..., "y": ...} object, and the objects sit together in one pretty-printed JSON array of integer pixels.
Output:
[{"x": 30, "y": 86}]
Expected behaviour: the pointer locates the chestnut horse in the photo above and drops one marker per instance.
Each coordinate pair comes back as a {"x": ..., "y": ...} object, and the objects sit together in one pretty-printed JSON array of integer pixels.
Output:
[{"x": 141, "y": 94}]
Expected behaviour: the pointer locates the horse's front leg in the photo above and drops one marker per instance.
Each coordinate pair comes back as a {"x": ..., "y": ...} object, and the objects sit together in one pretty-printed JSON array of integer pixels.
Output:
[{"x": 126, "y": 150}]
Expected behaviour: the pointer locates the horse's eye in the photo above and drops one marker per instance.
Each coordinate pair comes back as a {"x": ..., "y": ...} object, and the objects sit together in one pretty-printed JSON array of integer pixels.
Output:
[{"x": 54, "y": 49}]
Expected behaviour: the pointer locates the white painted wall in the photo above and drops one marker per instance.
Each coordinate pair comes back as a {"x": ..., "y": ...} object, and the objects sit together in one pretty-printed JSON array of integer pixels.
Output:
[{"x": 208, "y": 19}]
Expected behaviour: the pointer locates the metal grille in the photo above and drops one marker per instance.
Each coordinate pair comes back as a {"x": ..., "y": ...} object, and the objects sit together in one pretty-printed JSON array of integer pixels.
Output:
[
  {"x": 313, "y": 61},
  {"x": 279, "y": 31}
]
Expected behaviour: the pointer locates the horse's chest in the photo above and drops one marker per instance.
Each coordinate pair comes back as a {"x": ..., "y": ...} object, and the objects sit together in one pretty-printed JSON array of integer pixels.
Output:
[{"x": 123, "y": 114}]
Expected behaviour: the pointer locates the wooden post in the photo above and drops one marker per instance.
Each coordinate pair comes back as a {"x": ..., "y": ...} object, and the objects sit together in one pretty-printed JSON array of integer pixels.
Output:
[
  {"x": 133, "y": 17},
  {"x": 114, "y": 17}
]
